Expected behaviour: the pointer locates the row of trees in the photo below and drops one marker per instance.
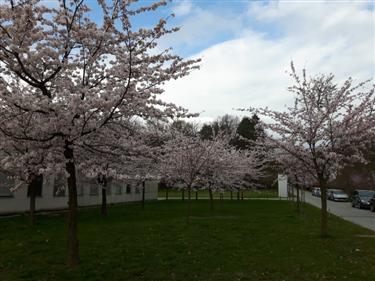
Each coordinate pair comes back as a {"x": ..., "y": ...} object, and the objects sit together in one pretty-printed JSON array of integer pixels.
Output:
[{"x": 209, "y": 163}]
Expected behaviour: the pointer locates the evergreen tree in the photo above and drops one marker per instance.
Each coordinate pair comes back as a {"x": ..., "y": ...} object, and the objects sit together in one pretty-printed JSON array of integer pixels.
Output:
[
  {"x": 206, "y": 133},
  {"x": 248, "y": 131}
]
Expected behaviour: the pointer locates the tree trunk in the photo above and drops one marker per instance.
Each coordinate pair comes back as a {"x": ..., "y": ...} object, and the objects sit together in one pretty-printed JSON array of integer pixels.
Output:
[
  {"x": 166, "y": 194},
  {"x": 238, "y": 195},
  {"x": 211, "y": 198},
  {"x": 241, "y": 195},
  {"x": 298, "y": 199},
  {"x": 292, "y": 194},
  {"x": 143, "y": 194},
  {"x": 231, "y": 195},
  {"x": 73, "y": 245},
  {"x": 183, "y": 195},
  {"x": 102, "y": 180},
  {"x": 188, "y": 206},
  {"x": 32, "y": 193},
  {"x": 196, "y": 195},
  {"x": 324, "y": 214},
  {"x": 104, "y": 202}
]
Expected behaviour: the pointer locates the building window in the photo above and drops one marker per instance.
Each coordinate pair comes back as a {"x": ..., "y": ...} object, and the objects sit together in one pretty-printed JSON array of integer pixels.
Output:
[
  {"x": 4, "y": 191},
  {"x": 80, "y": 190},
  {"x": 137, "y": 189},
  {"x": 38, "y": 186},
  {"x": 5, "y": 185},
  {"x": 94, "y": 190},
  {"x": 118, "y": 189},
  {"x": 128, "y": 189},
  {"x": 59, "y": 186}
]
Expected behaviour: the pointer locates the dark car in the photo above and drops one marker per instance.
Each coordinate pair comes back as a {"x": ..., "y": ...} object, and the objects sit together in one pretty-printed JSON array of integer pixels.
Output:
[
  {"x": 372, "y": 204},
  {"x": 337, "y": 195},
  {"x": 361, "y": 198}
]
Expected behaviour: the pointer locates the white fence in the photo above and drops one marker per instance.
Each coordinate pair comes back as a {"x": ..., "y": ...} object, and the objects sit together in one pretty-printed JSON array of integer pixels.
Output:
[{"x": 54, "y": 194}]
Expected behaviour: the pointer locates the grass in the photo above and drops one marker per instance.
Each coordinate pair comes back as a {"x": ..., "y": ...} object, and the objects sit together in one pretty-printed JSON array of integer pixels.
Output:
[
  {"x": 240, "y": 240},
  {"x": 265, "y": 193}
]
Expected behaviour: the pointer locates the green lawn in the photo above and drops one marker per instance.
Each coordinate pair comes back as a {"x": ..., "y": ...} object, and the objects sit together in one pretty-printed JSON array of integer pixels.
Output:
[
  {"x": 240, "y": 240},
  {"x": 265, "y": 193}
]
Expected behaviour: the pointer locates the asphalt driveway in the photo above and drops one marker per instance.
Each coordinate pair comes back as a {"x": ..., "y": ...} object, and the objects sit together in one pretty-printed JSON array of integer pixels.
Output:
[{"x": 344, "y": 210}]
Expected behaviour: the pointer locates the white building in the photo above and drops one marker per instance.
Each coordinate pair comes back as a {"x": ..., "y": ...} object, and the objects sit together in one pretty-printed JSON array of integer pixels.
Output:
[
  {"x": 52, "y": 194},
  {"x": 283, "y": 186}
]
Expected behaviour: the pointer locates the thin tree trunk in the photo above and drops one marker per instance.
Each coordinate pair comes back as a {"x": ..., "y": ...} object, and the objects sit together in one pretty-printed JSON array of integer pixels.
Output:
[
  {"x": 292, "y": 194},
  {"x": 238, "y": 195},
  {"x": 183, "y": 195},
  {"x": 143, "y": 194},
  {"x": 104, "y": 202},
  {"x": 32, "y": 193},
  {"x": 241, "y": 195},
  {"x": 231, "y": 195},
  {"x": 302, "y": 200},
  {"x": 196, "y": 195},
  {"x": 188, "y": 206},
  {"x": 298, "y": 194},
  {"x": 73, "y": 245},
  {"x": 166, "y": 194},
  {"x": 298, "y": 199},
  {"x": 211, "y": 198},
  {"x": 324, "y": 214},
  {"x": 102, "y": 180}
]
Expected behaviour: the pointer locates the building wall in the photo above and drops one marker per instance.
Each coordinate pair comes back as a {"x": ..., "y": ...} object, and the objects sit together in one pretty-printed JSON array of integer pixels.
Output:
[{"x": 18, "y": 201}]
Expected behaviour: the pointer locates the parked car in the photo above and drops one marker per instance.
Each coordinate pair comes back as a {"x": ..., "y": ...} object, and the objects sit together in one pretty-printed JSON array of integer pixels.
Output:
[
  {"x": 338, "y": 195},
  {"x": 315, "y": 191},
  {"x": 361, "y": 198},
  {"x": 372, "y": 204}
]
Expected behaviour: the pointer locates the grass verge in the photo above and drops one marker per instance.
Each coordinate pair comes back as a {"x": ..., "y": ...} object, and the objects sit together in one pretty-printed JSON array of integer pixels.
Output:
[{"x": 238, "y": 240}]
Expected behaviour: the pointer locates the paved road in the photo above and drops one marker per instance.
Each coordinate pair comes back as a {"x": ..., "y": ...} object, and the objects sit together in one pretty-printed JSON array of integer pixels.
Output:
[{"x": 344, "y": 210}]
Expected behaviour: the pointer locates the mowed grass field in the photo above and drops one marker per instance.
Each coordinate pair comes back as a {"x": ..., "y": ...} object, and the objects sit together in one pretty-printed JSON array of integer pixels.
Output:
[{"x": 239, "y": 240}]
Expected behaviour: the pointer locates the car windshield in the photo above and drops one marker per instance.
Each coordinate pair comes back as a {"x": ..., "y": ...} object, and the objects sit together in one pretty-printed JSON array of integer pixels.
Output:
[
  {"x": 339, "y": 192},
  {"x": 366, "y": 193}
]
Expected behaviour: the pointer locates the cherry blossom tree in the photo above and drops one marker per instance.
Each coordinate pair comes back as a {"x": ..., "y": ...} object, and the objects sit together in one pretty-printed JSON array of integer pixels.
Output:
[
  {"x": 119, "y": 152},
  {"x": 210, "y": 163},
  {"x": 72, "y": 76},
  {"x": 26, "y": 164},
  {"x": 298, "y": 177},
  {"x": 229, "y": 167},
  {"x": 326, "y": 127},
  {"x": 184, "y": 158}
]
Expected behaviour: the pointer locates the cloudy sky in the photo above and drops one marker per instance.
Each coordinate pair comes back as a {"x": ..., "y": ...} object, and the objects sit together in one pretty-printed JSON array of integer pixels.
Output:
[{"x": 247, "y": 46}]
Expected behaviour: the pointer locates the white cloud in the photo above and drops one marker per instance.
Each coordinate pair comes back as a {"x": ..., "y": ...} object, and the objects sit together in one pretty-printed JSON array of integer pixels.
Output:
[
  {"x": 251, "y": 70},
  {"x": 202, "y": 27},
  {"x": 183, "y": 8}
]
